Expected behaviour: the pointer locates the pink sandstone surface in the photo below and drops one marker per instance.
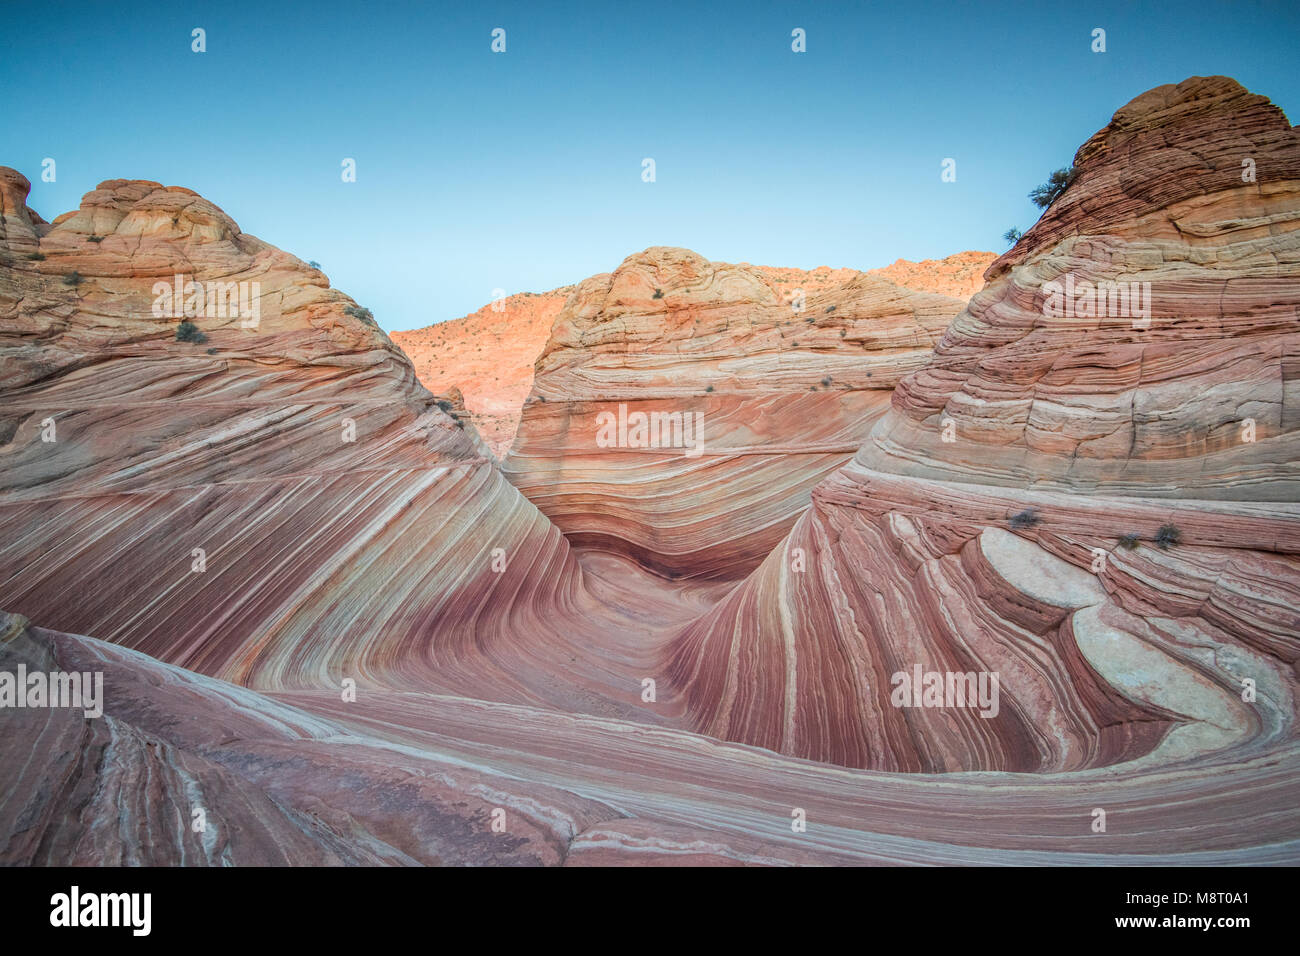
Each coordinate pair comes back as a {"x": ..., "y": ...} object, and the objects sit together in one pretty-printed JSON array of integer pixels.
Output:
[{"x": 977, "y": 522}]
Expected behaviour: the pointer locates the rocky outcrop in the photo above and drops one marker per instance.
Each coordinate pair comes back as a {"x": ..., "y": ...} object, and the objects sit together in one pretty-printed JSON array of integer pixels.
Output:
[
  {"x": 759, "y": 389},
  {"x": 279, "y": 504},
  {"x": 488, "y": 356},
  {"x": 1141, "y": 338},
  {"x": 1047, "y": 592},
  {"x": 960, "y": 275},
  {"x": 1099, "y": 508}
]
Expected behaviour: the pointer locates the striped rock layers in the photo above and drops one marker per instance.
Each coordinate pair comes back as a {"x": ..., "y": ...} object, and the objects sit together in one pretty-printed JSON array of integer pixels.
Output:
[
  {"x": 1067, "y": 499},
  {"x": 279, "y": 504},
  {"x": 1098, "y": 508},
  {"x": 489, "y": 354},
  {"x": 683, "y": 409}
]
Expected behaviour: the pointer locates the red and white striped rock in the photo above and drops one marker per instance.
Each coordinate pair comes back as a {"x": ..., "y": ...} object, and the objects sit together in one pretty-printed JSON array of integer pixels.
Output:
[
  {"x": 498, "y": 668},
  {"x": 983, "y": 525},
  {"x": 781, "y": 396}
]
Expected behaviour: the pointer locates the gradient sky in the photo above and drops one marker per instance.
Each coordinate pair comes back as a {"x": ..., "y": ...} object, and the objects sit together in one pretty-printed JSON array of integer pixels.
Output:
[{"x": 522, "y": 171}]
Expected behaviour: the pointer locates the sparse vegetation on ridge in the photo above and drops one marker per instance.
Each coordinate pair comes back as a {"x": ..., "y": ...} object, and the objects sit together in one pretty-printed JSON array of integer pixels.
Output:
[
  {"x": 1043, "y": 196},
  {"x": 360, "y": 312}
]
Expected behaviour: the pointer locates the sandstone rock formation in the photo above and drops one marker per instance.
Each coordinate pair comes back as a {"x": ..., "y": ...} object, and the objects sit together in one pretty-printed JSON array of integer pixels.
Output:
[
  {"x": 960, "y": 275},
  {"x": 279, "y": 496},
  {"x": 1099, "y": 507},
  {"x": 488, "y": 356},
  {"x": 370, "y": 650},
  {"x": 780, "y": 388}
]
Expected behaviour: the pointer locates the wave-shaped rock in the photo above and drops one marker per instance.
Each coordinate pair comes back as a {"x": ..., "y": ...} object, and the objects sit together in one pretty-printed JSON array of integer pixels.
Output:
[
  {"x": 280, "y": 504},
  {"x": 320, "y": 608},
  {"x": 762, "y": 390},
  {"x": 1072, "y": 502}
]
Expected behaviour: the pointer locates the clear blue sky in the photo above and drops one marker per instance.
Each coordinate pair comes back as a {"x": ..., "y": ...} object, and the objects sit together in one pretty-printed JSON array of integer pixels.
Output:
[{"x": 522, "y": 170}]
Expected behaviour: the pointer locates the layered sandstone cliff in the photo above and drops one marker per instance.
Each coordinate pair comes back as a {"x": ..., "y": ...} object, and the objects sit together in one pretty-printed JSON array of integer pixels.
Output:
[
  {"x": 1098, "y": 507},
  {"x": 488, "y": 356},
  {"x": 760, "y": 389}
]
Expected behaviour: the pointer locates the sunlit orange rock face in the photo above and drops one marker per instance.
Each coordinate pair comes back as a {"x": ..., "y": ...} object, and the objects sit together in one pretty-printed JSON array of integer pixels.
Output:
[
  {"x": 326, "y": 614},
  {"x": 763, "y": 388},
  {"x": 489, "y": 357},
  {"x": 960, "y": 275}
]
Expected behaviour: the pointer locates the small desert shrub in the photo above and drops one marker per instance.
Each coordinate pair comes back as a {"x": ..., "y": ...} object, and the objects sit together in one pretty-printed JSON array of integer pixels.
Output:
[
  {"x": 810, "y": 320},
  {"x": 1129, "y": 541},
  {"x": 1012, "y": 236},
  {"x": 659, "y": 294},
  {"x": 1168, "y": 536},
  {"x": 358, "y": 312},
  {"x": 445, "y": 405},
  {"x": 212, "y": 351},
  {"x": 313, "y": 264},
  {"x": 709, "y": 389},
  {"x": 826, "y": 381},
  {"x": 36, "y": 256},
  {"x": 72, "y": 278},
  {"x": 94, "y": 238},
  {"x": 187, "y": 331},
  {"x": 1046, "y": 194},
  {"x": 1024, "y": 519},
  {"x": 830, "y": 308}
]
